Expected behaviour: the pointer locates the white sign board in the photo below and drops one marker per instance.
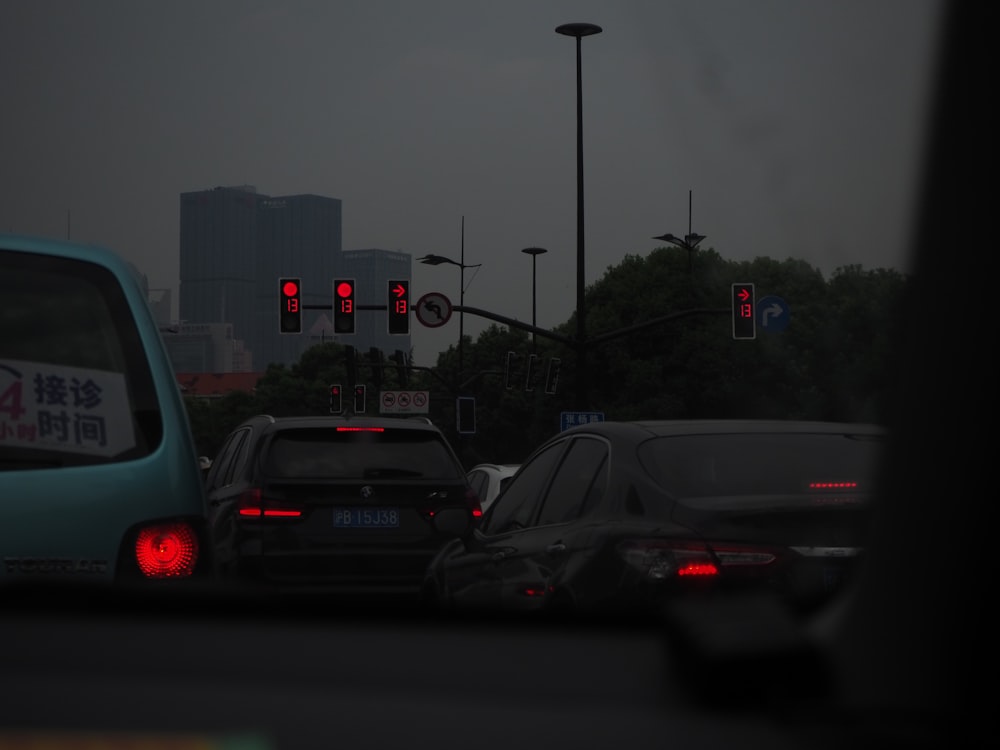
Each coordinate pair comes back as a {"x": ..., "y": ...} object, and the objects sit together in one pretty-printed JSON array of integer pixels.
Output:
[
  {"x": 60, "y": 408},
  {"x": 404, "y": 402}
]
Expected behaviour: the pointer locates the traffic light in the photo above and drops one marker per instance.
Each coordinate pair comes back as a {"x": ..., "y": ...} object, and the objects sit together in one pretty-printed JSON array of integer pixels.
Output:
[
  {"x": 343, "y": 306},
  {"x": 465, "y": 413},
  {"x": 359, "y": 399},
  {"x": 529, "y": 381},
  {"x": 744, "y": 312},
  {"x": 290, "y": 309},
  {"x": 508, "y": 370},
  {"x": 552, "y": 374},
  {"x": 398, "y": 306},
  {"x": 336, "y": 399}
]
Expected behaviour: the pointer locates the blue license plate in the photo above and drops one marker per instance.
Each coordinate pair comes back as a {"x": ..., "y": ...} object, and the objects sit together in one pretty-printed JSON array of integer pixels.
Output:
[{"x": 366, "y": 518}]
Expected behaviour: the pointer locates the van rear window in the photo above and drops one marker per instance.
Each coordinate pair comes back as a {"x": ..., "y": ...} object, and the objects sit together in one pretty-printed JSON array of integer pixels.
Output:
[{"x": 75, "y": 385}]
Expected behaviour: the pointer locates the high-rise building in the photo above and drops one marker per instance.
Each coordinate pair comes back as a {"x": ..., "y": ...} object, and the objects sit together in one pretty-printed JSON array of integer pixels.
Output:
[
  {"x": 234, "y": 246},
  {"x": 298, "y": 236}
]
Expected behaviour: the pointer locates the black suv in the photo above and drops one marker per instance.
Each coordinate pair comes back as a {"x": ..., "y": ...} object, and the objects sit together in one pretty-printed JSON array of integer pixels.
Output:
[{"x": 348, "y": 504}]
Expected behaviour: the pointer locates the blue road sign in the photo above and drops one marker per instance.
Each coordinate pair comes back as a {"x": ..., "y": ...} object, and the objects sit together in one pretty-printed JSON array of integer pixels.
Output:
[
  {"x": 569, "y": 419},
  {"x": 773, "y": 314}
]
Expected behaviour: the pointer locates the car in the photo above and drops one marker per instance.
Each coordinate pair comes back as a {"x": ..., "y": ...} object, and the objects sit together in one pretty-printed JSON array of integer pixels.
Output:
[
  {"x": 99, "y": 478},
  {"x": 301, "y": 504},
  {"x": 489, "y": 480},
  {"x": 622, "y": 516}
]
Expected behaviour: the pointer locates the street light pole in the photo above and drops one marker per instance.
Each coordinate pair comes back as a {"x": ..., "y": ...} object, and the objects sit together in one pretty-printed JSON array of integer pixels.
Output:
[
  {"x": 578, "y": 31},
  {"x": 534, "y": 252},
  {"x": 690, "y": 241},
  {"x": 461, "y": 303},
  {"x": 436, "y": 260}
]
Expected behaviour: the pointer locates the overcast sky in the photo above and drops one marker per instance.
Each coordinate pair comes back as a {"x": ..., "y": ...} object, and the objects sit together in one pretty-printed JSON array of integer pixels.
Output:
[{"x": 795, "y": 124}]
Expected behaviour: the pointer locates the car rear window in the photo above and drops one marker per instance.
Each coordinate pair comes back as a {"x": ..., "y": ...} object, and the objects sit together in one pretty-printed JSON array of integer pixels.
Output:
[
  {"x": 693, "y": 466},
  {"x": 353, "y": 454},
  {"x": 75, "y": 384}
]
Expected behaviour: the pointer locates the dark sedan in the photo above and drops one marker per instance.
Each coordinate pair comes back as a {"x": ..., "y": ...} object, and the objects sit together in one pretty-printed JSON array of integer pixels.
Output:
[
  {"x": 334, "y": 503},
  {"x": 620, "y": 516}
]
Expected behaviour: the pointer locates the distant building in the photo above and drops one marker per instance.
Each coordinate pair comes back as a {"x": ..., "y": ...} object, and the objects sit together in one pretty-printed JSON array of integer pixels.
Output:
[
  {"x": 160, "y": 304},
  {"x": 216, "y": 384},
  {"x": 235, "y": 244},
  {"x": 205, "y": 347}
]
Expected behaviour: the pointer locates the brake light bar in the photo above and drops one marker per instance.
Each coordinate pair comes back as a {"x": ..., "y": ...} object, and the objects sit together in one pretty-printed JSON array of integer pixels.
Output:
[
  {"x": 833, "y": 485},
  {"x": 361, "y": 429},
  {"x": 253, "y": 504}
]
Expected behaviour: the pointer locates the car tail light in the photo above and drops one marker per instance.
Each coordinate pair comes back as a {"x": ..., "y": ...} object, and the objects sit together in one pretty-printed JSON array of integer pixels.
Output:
[
  {"x": 660, "y": 559},
  {"x": 167, "y": 550},
  {"x": 255, "y": 504},
  {"x": 475, "y": 506}
]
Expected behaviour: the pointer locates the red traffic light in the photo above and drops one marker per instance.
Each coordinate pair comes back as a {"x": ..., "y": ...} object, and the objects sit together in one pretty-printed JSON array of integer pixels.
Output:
[
  {"x": 398, "y": 307},
  {"x": 343, "y": 306},
  {"x": 289, "y": 305},
  {"x": 744, "y": 311}
]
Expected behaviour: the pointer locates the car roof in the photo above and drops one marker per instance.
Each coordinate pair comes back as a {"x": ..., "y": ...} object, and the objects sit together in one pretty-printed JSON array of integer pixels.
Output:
[
  {"x": 308, "y": 422},
  {"x": 97, "y": 254},
  {"x": 673, "y": 427}
]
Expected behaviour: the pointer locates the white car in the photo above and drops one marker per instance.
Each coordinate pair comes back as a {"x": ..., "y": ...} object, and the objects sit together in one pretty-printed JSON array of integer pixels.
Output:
[{"x": 489, "y": 480}]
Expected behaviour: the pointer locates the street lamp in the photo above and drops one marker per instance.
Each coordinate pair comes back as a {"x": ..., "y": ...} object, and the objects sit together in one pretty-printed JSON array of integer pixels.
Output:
[
  {"x": 578, "y": 31},
  {"x": 437, "y": 260},
  {"x": 690, "y": 240},
  {"x": 534, "y": 252}
]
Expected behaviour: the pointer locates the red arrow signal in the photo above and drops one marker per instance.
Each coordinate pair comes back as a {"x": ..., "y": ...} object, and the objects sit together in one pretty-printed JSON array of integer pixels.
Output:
[
  {"x": 743, "y": 294},
  {"x": 399, "y": 290}
]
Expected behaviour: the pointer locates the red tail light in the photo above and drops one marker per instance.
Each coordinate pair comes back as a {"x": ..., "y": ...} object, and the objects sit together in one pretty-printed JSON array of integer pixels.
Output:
[
  {"x": 361, "y": 429},
  {"x": 254, "y": 504},
  {"x": 660, "y": 559},
  {"x": 168, "y": 550},
  {"x": 475, "y": 506}
]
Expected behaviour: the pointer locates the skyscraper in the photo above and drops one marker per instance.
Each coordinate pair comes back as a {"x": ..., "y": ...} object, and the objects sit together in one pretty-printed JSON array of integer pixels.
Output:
[{"x": 234, "y": 245}]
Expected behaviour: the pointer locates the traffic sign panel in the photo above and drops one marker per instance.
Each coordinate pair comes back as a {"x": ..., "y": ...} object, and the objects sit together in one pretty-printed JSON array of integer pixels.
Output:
[
  {"x": 433, "y": 309},
  {"x": 773, "y": 314},
  {"x": 404, "y": 402},
  {"x": 569, "y": 419}
]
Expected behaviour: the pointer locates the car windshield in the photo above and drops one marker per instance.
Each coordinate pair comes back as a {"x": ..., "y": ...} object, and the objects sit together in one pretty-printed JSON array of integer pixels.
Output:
[
  {"x": 358, "y": 454},
  {"x": 713, "y": 466}
]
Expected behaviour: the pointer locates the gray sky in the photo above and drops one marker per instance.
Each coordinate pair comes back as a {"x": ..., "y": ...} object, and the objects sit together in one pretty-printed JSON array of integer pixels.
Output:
[{"x": 796, "y": 124}]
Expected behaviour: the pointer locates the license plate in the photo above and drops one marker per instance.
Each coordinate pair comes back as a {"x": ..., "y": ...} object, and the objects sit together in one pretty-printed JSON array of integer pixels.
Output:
[{"x": 366, "y": 518}]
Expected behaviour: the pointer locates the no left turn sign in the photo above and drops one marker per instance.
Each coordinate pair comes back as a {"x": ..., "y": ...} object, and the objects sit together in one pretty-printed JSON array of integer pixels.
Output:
[{"x": 433, "y": 309}]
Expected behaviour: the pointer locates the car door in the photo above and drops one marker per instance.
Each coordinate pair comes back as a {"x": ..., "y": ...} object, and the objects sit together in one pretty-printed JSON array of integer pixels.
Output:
[
  {"x": 474, "y": 576},
  {"x": 533, "y": 561}
]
